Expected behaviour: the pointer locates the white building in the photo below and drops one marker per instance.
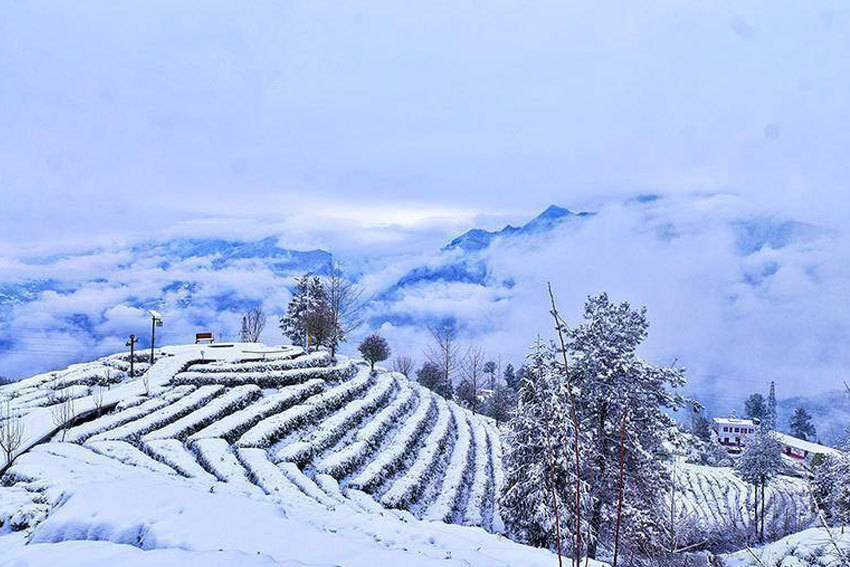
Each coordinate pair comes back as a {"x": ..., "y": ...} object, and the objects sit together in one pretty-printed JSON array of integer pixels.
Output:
[{"x": 732, "y": 433}]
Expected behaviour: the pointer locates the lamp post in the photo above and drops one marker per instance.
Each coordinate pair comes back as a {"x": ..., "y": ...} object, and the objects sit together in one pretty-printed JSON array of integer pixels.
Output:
[
  {"x": 132, "y": 344},
  {"x": 156, "y": 321}
]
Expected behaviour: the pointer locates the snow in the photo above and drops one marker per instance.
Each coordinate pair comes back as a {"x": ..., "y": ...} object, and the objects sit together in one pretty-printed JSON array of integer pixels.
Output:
[
  {"x": 231, "y": 426},
  {"x": 162, "y": 417},
  {"x": 122, "y": 513},
  {"x": 228, "y": 402},
  {"x": 215, "y": 456},
  {"x": 406, "y": 488},
  {"x": 159, "y": 476},
  {"x": 128, "y": 454},
  {"x": 273, "y": 428},
  {"x": 369, "y": 436},
  {"x": 803, "y": 549},
  {"x": 174, "y": 454},
  {"x": 331, "y": 429},
  {"x": 82, "y": 432},
  {"x": 389, "y": 459},
  {"x": 479, "y": 483},
  {"x": 441, "y": 509}
]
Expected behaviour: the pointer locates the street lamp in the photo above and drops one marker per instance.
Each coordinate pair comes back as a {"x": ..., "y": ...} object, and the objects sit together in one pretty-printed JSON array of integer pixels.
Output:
[{"x": 156, "y": 321}]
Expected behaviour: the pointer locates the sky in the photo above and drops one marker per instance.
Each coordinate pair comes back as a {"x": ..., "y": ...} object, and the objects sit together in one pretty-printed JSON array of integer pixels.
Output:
[{"x": 383, "y": 129}]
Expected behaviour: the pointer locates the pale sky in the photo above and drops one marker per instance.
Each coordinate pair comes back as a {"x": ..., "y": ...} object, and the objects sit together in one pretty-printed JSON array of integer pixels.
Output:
[
  {"x": 123, "y": 117},
  {"x": 386, "y": 128}
]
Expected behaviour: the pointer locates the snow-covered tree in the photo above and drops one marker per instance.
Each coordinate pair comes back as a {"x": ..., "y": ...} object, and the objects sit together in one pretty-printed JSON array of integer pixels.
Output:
[
  {"x": 801, "y": 425},
  {"x": 490, "y": 370},
  {"x": 611, "y": 379},
  {"x": 537, "y": 503},
  {"x": 755, "y": 407},
  {"x": 305, "y": 310},
  {"x": 511, "y": 378},
  {"x": 500, "y": 404},
  {"x": 760, "y": 461},
  {"x": 831, "y": 487},
  {"x": 466, "y": 394},
  {"x": 374, "y": 348},
  {"x": 701, "y": 426},
  {"x": 769, "y": 420}
]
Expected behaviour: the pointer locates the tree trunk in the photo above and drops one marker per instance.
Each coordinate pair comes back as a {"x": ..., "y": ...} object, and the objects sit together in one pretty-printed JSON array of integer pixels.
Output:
[
  {"x": 596, "y": 511},
  {"x": 554, "y": 500},
  {"x": 756, "y": 507},
  {"x": 762, "y": 507},
  {"x": 620, "y": 487}
]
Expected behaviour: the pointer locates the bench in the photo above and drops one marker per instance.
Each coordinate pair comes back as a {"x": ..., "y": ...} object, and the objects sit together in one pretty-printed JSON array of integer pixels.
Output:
[{"x": 203, "y": 338}]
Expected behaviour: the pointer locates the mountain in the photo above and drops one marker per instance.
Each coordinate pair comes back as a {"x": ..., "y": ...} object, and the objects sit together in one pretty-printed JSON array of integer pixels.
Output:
[
  {"x": 462, "y": 260},
  {"x": 478, "y": 239}
]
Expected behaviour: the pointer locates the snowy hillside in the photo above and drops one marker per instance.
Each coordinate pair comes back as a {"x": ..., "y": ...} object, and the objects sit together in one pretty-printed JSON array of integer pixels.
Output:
[
  {"x": 715, "y": 500},
  {"x": 805, "y": 549},
  {"x": 228, "y": 434}
]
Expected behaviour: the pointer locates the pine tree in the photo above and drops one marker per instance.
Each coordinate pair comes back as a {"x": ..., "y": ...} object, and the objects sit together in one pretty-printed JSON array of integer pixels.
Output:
[
  {"x": 501, "y": 403},
  {"x": 801, "y": 425},
  {"x": 770, "y": 412},
  {"x": 613, "y": 379},
  {"x": 701, "y": 426},
  {"x": 755, "y": 407},
  {"x": 490, "y": 370},
  {"x": 536, "y": 501},
  {"x": 511, "y": 378}
]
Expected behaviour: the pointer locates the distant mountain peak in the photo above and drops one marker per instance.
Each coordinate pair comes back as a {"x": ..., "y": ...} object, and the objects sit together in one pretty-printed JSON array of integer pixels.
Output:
[{"x": 478, "y": 238}]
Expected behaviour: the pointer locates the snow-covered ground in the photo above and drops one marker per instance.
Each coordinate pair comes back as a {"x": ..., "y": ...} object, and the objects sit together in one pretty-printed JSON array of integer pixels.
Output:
[
  {"x": 813, "y": 547},
  {"x": 219, "y": 458},
  {"x": 106, "y": 512},
  {"x": 716, "y": 499}
]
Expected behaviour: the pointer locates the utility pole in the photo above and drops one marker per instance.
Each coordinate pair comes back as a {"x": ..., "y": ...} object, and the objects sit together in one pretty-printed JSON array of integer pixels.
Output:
[
  {"x": 156, "y": 321},
  {"x": 132, "y": 344}
]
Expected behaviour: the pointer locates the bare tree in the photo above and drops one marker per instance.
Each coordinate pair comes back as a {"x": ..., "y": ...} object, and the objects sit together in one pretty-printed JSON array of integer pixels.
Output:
[
  {"x": 345, "y": 307},
  {"x": 11, "y": 433},
  {"x": 97, "y": 397},
  {"x": 403, "y": 364},
  {"x": 444, "y": 352},
  {"x": 62, "y": 411},
  {"x": 472, "y": 370},
  {"x": 253, "y": 323}
]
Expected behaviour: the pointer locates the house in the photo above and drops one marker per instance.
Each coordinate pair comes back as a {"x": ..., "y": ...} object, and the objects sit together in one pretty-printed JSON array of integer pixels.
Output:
[{"x": 732, "y": 434}]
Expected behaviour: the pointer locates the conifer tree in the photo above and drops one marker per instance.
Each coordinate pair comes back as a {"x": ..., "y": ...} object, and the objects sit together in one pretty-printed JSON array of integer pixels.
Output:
[
  {"x": 612, "y": 379},
  {"x": 801, "y": 425}
]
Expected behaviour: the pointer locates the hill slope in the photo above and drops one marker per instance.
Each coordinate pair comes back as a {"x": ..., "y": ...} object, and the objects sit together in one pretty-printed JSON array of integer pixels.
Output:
[{"x": 211, "y": 454}]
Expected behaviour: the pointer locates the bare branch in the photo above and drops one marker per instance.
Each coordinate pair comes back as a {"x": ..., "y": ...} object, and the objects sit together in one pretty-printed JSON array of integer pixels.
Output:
[
  {"x": 403, "y": 364},
  {"x": 11, "y": 433},
  {"x": 253, "y": 323}
]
